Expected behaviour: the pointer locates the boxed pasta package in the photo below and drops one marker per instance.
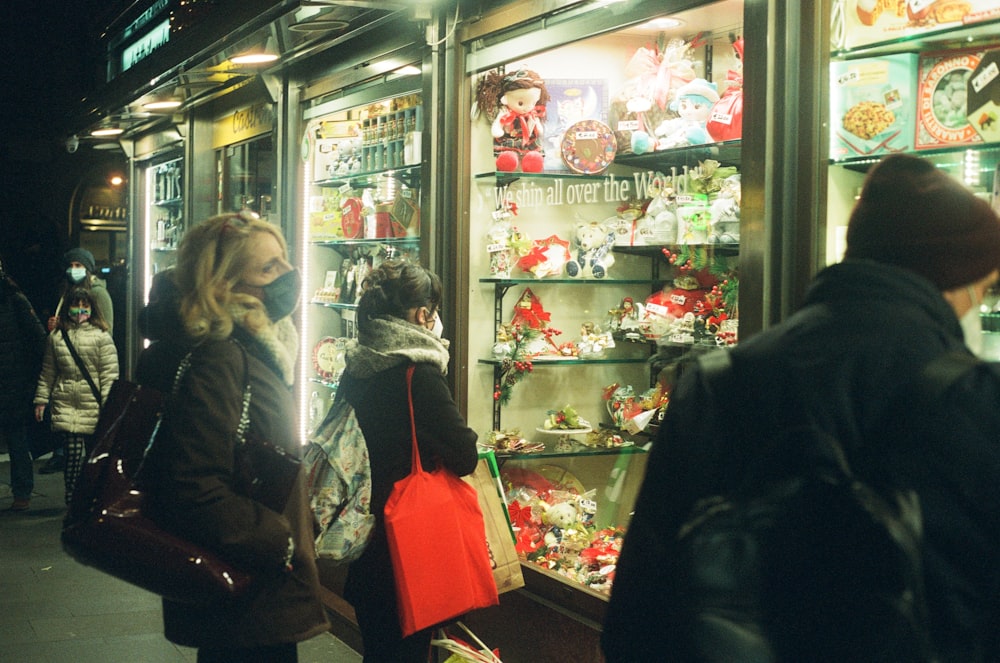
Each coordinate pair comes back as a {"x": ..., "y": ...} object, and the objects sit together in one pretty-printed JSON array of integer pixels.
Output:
[
  {"x": 872, "y": 105},
  {"x": 863, "y": 22},
  {"x": 942, "y": 110}
]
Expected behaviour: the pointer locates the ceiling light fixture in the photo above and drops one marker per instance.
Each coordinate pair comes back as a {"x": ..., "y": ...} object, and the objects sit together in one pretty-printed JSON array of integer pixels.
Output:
[
  {"x": 106, "y": 131},
  {"x": 253, "y": 58},
  {"x": 665, "y": 23},
  {"x": 162, "y": 104}
]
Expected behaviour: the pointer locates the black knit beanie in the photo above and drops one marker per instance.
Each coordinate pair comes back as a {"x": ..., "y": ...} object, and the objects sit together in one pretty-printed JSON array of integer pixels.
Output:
[
  {"x": 82, "y": 256},
  {"x": 915, "y": 216}
]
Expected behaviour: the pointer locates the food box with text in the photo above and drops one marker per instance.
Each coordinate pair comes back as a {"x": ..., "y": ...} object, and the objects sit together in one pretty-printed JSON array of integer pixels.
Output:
[
  {"x": 942, "y": 115},
  {"x": 872, "y": 106},
  {"x": 862, "y": 22},
  {"x": 984, "y": 97}
]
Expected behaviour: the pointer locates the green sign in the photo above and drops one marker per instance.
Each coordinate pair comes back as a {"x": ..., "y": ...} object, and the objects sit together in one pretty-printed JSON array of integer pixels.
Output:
[{"x": 146, "y": 44}]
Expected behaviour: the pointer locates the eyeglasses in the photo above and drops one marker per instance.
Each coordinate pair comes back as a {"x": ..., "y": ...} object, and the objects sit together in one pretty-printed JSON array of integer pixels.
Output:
[{"x": 239, "y": 220}]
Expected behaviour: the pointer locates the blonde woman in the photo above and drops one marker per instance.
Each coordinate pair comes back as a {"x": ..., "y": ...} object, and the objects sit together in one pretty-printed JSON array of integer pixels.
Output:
[{"x": 228, "y": 304}]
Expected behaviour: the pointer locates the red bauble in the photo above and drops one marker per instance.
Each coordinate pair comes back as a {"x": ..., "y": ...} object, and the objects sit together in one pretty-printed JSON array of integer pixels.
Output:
[
  {"x": 507, "y": 161},
  {"x": 532, "y": 162}
]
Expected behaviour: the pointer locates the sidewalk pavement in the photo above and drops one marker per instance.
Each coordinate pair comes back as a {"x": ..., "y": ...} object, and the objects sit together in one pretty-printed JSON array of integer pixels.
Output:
[{"x": 55, "y": 610}]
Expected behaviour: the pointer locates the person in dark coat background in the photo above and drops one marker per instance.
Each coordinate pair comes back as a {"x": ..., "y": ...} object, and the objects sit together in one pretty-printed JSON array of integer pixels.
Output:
[
  {"x": 922, "y": 251},
  {"x": 229, "y": 303},
  {"x": 398, "y": 325},
  {"x": 22, "y": 342}
]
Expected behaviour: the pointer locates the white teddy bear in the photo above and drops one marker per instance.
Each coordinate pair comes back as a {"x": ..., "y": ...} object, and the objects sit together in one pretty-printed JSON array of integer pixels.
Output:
[{"x": 592, "y": 254}]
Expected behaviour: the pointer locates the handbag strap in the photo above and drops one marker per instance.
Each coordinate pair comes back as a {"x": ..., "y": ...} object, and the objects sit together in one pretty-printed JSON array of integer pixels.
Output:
[
  {"x": 182, "y": 368},
  {"x": 416, "y": 467},
  {"x": 83, "y": 369},
  {"x": 244, "y": 424}
]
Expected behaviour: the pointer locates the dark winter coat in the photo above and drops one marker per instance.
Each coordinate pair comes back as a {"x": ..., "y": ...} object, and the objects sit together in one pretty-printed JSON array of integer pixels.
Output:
[
  {"x": 374, "y": 382},
  {"x": 190, "y": 476},
  {"x": 849, "y": 362},
  {"x": 22, "y": 342}
]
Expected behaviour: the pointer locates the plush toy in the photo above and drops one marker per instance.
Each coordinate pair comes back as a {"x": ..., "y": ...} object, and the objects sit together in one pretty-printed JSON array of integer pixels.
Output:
[
  {"x": 694, "y": 105},
  {"x": 725, "y": 211},
  {"x": 515, "y": 104},
  {"x": 593, "y": 242},
  {"x": 725, "y": 122},
  {"x": 563, "y": 515}
]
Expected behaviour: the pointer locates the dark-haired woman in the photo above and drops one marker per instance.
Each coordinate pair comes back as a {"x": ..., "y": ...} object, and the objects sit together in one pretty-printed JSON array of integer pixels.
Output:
[{"x": 399, "y": 324}]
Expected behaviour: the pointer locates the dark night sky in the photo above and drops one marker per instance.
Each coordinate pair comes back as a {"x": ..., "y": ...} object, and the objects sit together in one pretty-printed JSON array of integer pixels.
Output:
[
  {"x": 47, "y": 50},
  {"x": 47, "y": 54}
]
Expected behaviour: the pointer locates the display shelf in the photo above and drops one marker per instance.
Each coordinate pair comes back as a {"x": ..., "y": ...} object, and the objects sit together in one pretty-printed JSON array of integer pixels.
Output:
[
  {"x": 572, "y": 450},
  {"x": 324, "y": 383},
  {"x": 503, "y": 177},
  {"x": 502, "y": 281},
  {"x": 336, "y": 305},
  {"x": 354, "y": 243},
  {"x": 650, "y": 250},
  {"x": 572, "y": 361},
  {"x": 948, "y": 158},
  {"x": 408, "y": 175},
  {"x": 962, "y": 35},
  {"x": 727, "y": 153}
]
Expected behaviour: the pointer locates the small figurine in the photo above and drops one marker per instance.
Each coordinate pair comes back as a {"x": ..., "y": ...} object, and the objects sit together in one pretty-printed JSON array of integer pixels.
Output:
[{"x": 504, "y": 344}]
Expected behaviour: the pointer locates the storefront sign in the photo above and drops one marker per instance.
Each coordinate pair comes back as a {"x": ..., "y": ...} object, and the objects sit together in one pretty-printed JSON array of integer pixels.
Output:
[
  {"x": 148, "y": 43},
  {"x": 144, "y": 19},
  {"x": 242, "y": 124}
]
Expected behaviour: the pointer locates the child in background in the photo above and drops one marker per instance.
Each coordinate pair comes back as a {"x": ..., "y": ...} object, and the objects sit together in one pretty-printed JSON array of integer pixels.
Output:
[{"x": 76, "y": 387}]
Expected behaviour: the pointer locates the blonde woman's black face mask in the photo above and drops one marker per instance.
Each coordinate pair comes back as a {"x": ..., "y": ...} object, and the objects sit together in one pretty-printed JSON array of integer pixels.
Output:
[{"x": 281, "y": 295}]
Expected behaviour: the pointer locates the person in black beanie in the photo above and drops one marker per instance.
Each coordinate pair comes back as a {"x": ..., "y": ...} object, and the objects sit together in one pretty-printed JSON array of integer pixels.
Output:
[
  {"x": 81, "y": 272},
  {"x": 922, "y": 251}
]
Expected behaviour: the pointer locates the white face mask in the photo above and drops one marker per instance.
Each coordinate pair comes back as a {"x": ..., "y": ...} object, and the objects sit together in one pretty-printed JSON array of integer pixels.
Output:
[
  {"x": 76, "y": 274},
  {"x": 972, "y": 324},
  {"x": 438, "y": 328}
]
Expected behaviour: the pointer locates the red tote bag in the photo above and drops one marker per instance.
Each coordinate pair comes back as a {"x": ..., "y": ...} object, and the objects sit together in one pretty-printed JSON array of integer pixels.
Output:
[{"x": 427, "y": 513}]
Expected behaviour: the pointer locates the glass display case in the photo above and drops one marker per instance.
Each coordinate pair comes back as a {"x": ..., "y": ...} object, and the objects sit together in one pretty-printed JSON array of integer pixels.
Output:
[
  {"x": 604, "y": 248},
  {"x": 922, "y": 87},
  {"x": 163, "y": 211},
  {"x": 361, "y": 206}
]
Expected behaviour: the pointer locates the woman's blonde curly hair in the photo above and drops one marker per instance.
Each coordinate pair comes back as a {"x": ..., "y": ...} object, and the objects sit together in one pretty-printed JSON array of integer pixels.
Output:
[{"x": 210, "y": 260}]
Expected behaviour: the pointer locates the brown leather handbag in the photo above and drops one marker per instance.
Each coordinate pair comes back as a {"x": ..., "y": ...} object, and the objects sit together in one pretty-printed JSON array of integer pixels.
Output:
[{"x": 108, "y": 525}]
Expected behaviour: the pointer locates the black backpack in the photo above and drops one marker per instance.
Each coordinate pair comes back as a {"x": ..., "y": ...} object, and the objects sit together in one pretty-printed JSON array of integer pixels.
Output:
[
  {"x": 809, "y": 564},
  {"x": 802, "y": 561}
]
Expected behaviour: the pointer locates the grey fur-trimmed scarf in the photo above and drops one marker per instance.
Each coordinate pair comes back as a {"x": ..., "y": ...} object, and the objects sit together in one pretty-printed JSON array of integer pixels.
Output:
[
  {"x": 391, "y": 341},
  {"x": 279, "y": 339}
]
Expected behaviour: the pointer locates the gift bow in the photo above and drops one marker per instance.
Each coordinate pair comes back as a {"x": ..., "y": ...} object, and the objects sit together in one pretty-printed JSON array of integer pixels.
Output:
[{"x": 510, "y": 117}]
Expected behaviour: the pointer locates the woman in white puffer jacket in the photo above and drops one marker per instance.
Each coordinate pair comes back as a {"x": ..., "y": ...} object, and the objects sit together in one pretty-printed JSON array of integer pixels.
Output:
[{"x": 74, "y": 405}]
